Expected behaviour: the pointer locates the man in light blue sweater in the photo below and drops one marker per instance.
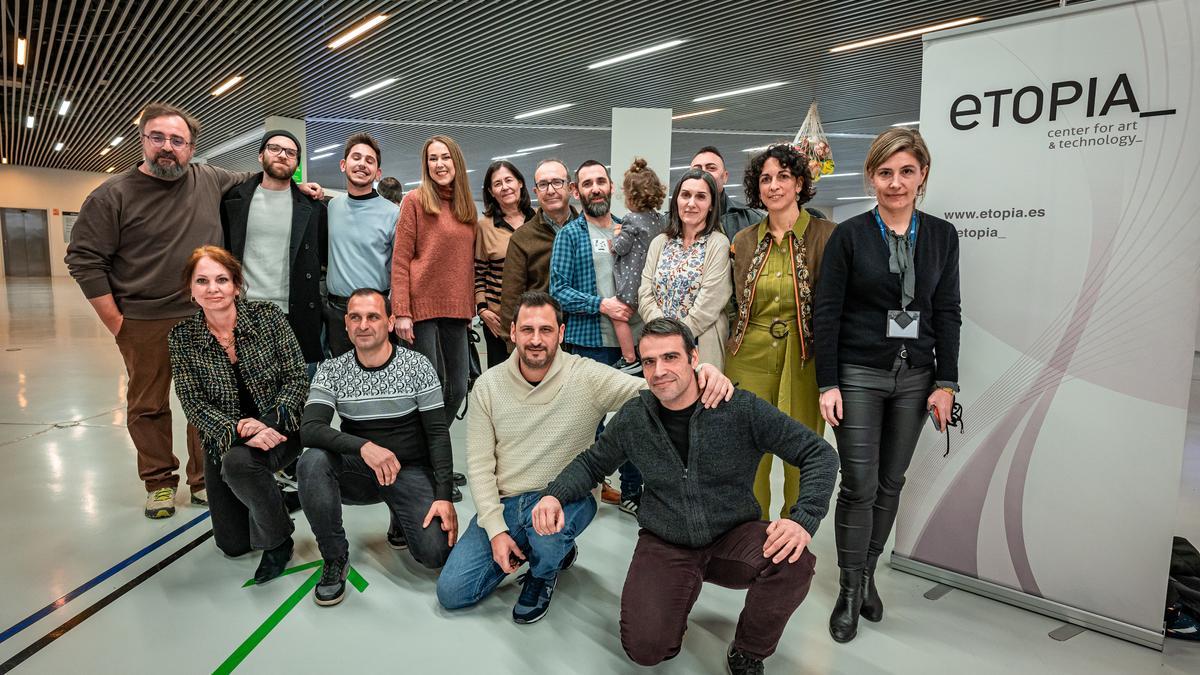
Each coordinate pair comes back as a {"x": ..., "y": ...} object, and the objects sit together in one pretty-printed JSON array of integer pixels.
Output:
[{"x": 362, "y": 226}]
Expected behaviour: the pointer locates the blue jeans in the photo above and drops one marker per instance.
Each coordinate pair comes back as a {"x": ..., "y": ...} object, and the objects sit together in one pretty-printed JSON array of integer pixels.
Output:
[
  {"x": 631, "y": 478},
  {"x": 470, "y": 574}
]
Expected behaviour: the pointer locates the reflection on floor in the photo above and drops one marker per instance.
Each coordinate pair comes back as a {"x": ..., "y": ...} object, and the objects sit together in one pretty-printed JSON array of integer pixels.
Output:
[{"x": 70, "y": 510}]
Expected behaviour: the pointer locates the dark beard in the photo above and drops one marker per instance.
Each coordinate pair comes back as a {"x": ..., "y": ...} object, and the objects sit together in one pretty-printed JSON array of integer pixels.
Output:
[
  {"x": 597, "y": 209},
  {"x": 273, "y": 170},
  {"x": 166, "y": 173}
]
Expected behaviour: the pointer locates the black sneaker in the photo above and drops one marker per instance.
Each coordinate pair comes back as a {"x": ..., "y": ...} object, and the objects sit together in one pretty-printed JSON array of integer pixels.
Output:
[
  {"x": 628, "y": 367},
  {"x": 274, "y": 562},
  {"x": 459, "y": 479},
  {"x": 455, "y": 495},
  {"x": 631, "y": 505},
  {"x": 535, "y": 598},
  {"x": 739, "y": 662},
  {"x": 331, "y": 589},
  {"x": 569, "y": 559},
  {"x": 396, "y": 538}
]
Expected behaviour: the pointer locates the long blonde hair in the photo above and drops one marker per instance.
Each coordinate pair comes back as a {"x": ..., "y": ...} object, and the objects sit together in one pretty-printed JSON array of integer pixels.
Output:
[{"x": 460, "y": 201}]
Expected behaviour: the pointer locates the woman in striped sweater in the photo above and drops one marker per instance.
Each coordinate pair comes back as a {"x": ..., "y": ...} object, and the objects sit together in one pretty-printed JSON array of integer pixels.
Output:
[{"x": 506, "y": 207}]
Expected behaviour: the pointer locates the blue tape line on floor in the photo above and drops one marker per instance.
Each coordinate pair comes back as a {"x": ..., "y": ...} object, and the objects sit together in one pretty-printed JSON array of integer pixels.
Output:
[{"x": 48, "y": 609}]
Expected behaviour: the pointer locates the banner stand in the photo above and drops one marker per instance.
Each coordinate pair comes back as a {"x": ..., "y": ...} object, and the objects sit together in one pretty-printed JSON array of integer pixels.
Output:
[{"x": 1009, "y": 596}]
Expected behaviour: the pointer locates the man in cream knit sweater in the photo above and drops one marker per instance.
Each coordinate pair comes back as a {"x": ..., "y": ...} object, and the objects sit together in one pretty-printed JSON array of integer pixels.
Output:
[{"x": 531, "y": 416}]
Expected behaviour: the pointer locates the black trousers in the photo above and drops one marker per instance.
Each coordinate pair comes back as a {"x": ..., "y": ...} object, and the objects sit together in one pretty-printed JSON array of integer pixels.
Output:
[
  {"x": 247, "y": 507},
  {"x": 883, "y": 412}
]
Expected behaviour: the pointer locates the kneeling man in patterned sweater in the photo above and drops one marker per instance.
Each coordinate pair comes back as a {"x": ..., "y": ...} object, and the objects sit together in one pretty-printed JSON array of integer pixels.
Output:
[
  {"x": 393, "y": 445},
  {"x": 700, "y": 520}
]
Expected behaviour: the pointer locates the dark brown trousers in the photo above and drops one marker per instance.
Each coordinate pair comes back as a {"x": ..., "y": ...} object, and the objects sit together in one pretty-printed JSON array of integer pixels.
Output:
[{"x": 143, "y": 345}]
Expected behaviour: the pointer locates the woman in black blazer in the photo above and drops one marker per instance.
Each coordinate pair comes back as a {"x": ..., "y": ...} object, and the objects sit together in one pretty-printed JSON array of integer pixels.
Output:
[{"x": 886, "y": 326}]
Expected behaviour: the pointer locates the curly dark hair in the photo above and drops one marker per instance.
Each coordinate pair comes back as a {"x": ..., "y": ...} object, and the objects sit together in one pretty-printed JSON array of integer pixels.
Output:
[
  {"x": 643, "y": 190},
  {"x": 790, "y": 160}
]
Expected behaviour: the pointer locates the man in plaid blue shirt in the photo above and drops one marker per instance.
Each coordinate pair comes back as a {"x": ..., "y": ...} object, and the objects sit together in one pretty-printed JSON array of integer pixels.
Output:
[{"x": 581, "y": 280}]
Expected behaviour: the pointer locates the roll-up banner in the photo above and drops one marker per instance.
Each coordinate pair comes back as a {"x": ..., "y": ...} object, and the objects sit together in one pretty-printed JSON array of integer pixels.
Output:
[{"x": 1066, "y": 150}]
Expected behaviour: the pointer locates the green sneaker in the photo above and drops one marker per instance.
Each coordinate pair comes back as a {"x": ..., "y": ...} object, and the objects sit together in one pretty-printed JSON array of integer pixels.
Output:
[{"x": 160, "y": 503}]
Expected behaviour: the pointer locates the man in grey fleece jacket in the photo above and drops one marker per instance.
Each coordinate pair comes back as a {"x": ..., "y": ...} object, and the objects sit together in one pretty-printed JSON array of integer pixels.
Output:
[{"x": 699, "y": 516}]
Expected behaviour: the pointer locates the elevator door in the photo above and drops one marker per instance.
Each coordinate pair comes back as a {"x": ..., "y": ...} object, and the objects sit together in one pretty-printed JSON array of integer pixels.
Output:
[{"x": 26, "y": 243}]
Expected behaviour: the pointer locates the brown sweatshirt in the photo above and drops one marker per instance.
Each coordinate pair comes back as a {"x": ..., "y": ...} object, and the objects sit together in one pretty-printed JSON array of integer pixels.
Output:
[{"x": 135, "y": 232}]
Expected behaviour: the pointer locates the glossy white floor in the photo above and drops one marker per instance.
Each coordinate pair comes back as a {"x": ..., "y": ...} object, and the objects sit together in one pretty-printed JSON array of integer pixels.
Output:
[{"x": 70, "y": 510}]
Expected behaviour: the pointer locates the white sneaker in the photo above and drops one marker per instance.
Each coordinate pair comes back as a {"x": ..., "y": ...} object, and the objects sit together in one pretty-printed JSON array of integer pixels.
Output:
[{"x": 160, "y": 503}]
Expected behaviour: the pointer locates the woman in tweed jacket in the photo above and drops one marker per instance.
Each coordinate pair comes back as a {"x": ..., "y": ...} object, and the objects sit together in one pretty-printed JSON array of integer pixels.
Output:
[{"x": 240, "y": 377}]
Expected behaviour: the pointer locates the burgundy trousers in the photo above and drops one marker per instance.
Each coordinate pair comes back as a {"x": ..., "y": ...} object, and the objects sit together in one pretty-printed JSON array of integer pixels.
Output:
[{"x": 664, "y": 581}]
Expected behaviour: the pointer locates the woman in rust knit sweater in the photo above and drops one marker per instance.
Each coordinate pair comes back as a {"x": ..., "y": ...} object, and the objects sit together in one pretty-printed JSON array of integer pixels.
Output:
[{"x": 433, "y": 267}]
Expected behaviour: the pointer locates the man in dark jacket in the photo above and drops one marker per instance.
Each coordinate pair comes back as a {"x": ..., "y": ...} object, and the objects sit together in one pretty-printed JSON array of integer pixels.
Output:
[
  {"x": 699, "y": 518},
  {"x": 279, "y": 234}
]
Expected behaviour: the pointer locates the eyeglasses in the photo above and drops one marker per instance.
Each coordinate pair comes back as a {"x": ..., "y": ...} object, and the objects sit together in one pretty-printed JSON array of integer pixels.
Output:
[
  {"x": 544, "y": 185},
  {"x": 157, "y": 140},
  {"x": 280, "y": 150}
]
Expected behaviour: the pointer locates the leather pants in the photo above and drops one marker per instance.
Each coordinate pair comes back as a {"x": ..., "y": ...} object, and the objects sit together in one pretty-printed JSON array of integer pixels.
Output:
[{"x": 883, "y": 412}]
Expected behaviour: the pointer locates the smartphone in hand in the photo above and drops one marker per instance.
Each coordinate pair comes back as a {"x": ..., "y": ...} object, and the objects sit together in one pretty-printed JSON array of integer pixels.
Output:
[{"x": 933, "y": 419}]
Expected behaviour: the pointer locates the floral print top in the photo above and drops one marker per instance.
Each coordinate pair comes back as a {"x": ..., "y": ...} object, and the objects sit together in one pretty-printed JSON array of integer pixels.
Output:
[{"x": 678, "y": 277}]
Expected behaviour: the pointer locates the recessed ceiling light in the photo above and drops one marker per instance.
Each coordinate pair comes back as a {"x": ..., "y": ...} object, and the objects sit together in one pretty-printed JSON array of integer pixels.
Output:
[
  {"x": 696, "y": 114},
  {"x": 327, "y": 148},
  {"x": 515, "y": 154},
  {"x": 375, "y": 87},
  {"x": 539, "y": 147},
  {"x": 58, "y": 146},
  {"x": 736, "y": 92},
  {"x": 357, "y": 30},
  {"x": 29, "y": 122},
  {"x": 907, "y": 124},
  {"x": 543, "y": 111},
  {"x": 634, "y": 55},
  {"x": 843, "y": 175},
  {"x": 137, "y": 120},
  {"x": 415, "y": 182},
  {"x": 64, "y": 107},
  {"x": 758, "y": 149},
  {"x": 107, "y": 149},
  {"x": 116, "y": 141},
  {"x": 906, "y": 34},
  {"x": 677, "y": 168},
  {"x": 3, "y": 160},
  {"x": 110, "y": 169},
  {"x": 316, "y": 157},
  {"x": 227, "y": 85},
  {"x": 850, "y": 199},
  {"x": 22, "y": 47},
  {"x": 731, "y": 186}
]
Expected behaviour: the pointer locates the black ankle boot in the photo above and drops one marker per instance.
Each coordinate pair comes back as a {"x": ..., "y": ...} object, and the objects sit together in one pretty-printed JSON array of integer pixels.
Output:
[
  {"x": 872, "y": 606},
  {"x": 843, "y": 623},
  {"x": 274, "y": 562}
]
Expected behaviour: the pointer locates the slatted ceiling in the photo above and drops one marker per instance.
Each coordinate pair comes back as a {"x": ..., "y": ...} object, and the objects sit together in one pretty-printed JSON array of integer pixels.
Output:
[{"x": 457, "y": 62}]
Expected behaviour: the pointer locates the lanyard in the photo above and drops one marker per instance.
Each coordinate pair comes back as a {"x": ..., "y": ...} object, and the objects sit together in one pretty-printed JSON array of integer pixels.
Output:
[{"x": 912, "y": 229}]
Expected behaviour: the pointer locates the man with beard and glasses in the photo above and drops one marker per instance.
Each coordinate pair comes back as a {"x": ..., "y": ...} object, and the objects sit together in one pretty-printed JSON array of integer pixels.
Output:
[
  {"x": 129, "y": 245},
  {"x": 527, "y": 262},
  {"x": 279, "y": 235},
  {"x": 362, "y": 229},
  {"x": 581, "y": 280},
  {"x": 530, "y": 416}
]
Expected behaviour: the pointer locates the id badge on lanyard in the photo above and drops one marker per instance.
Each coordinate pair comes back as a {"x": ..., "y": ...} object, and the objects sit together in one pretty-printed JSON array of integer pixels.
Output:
[{"x": 902, "y": 324}]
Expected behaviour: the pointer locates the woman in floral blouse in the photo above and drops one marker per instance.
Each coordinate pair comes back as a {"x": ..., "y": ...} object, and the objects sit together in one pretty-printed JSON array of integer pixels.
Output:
[
  {"x": 686, "y": 276},
  {"x": 240, "y": 377}
]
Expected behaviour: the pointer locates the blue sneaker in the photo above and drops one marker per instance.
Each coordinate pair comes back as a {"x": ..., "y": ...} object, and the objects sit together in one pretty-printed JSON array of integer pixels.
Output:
[
  {"x": 535, "y": 598},
  {"x": 1183, "y": 626}
]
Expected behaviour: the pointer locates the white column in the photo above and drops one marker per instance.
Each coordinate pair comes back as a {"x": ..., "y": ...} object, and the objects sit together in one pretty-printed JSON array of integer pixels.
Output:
[{"x": 639, "y": 132}]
